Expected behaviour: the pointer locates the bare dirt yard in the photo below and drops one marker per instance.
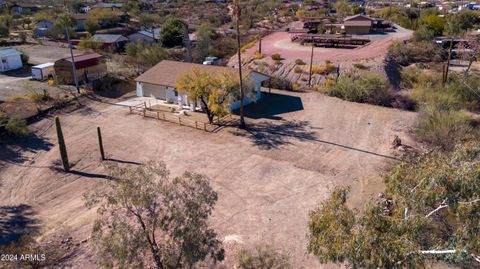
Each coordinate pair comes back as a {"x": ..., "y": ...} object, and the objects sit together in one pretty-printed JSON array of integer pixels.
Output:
[
  {"x": 297, "y": 148},
  {"x": 371, "y": 55}
]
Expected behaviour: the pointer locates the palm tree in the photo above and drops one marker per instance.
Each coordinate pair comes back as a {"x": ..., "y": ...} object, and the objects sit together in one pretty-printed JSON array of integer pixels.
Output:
[{"x": 236, "y": 13}]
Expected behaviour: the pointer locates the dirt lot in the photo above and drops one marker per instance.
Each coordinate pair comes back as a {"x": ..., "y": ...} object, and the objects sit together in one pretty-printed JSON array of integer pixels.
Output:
[
  {"x": 371, "y": 55},
  {"x": 40, "y": 54},
  {"x": 297, "y": 148}
]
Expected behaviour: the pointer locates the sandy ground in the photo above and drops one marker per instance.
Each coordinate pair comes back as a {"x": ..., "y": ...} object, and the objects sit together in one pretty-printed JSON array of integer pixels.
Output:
[
  {"x": 40, "y": 54},
  {"x": 297, "y": 148},
  {"x": 371, "y": 55},
  {"x": 280, "y": 42}
]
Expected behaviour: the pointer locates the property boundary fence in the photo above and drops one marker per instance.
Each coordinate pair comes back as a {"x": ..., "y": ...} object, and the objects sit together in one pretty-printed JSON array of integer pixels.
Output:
[{"x": 146, "y": 112}]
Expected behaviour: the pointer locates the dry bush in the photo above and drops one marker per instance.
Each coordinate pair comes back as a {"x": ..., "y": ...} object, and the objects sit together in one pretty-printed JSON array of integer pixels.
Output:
[
  {"x": 276, "y": 57},
  {"x": 362, "y": 87},
  {"x": 443, "y": 128},
  {"x": 264, "y": 257}
]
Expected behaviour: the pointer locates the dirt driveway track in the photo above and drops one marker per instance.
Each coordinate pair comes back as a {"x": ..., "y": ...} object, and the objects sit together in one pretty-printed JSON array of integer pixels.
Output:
[{"x": 297, "y": 148}]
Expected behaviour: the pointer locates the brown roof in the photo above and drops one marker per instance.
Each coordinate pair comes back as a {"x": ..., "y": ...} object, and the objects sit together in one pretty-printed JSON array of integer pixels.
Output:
[
  {"x": 358, "y": 17},
  {"x": 357, "y": 23},
  {"x": 166, "y": 73}
]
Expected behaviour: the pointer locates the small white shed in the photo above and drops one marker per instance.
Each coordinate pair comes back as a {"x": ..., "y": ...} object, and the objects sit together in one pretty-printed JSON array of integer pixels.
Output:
[
  {"x": 43, "y": 71},
  {"x": 10, "y": 59}
]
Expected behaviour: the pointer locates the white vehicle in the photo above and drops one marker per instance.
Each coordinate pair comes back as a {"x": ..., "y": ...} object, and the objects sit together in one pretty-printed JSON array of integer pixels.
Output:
[{"x": 43, "y": 71}]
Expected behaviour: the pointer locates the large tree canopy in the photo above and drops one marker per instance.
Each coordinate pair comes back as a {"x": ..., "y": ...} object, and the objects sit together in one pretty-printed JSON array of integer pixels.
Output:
[
  {"x": 214, "y": 92},
  {"x": 149, "y": 218},
  {"x": 431, "y": 210},
  {"x": 173, "y": 32}
]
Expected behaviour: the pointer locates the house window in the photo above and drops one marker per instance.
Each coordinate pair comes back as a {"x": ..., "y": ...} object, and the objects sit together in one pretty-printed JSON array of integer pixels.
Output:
[
  {"x": 175, "y": 92},
  {"x": 4, "y": 60}
]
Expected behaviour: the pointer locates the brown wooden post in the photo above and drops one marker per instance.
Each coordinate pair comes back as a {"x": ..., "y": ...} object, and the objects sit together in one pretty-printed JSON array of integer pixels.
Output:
[
  {"x": 130, "y": 109},
  {"x": 311, "y": 65},
  {"x": 163, "y": 115},
  {"x": 145, "y": 104},
  {"x": 158, "y": 115},
  {"x": 204, "y": 126},
  {"x": 195, "y": 124},
  {"x": 144, "y": 111},
  {"x": 179, "y": 121},
  {"x": 100, "y": 143}
]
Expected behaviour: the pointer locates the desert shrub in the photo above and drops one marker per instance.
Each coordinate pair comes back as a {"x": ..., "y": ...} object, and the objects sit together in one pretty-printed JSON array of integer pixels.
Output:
[
  {"x": 13, "y": 125},
  {"x": 257, "y": 55},
  {"x": 279, "y": 83},
  {"x": 413, "y": 75},
  {"x": 248, "y": 45},
  {"x": 299, "y": 62},
  {"x": 362, "y": 87},
  {"x": 458, "y": 93},
  {"x": 325, "y": 69},
  {"x": 415, "y": 52},
  {"x": 360, "y": 66},
  {"x": 442, "y": 128},
  {"x": 264, "y": 257},
  {"x": 298, "y": 70},
  {"x": 146, "y": 54},
  {"x": 37, "y": 96},
  {"x": 276, "y": 57}
]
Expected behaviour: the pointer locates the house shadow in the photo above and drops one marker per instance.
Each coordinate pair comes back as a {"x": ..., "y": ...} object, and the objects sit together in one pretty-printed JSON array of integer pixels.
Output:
[
  {"x": 267, "y": 135},
  {"x": 12, "y": 148},
  {"x": 271, "y": 106},
  {"x": 17, "y": 221}
]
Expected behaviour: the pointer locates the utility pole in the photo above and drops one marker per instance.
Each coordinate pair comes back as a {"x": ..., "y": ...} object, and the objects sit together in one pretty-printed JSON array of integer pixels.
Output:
[
  {"x": 236, "y": 12},
  {"x": 74, "y": 69},
  {"x": 311, "y": 66}
]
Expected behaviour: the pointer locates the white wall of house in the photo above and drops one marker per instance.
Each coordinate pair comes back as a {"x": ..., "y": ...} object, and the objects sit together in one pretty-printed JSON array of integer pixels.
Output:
[
  {"x": 170, "y": 95},
  {"x": 10, "y": 62}
]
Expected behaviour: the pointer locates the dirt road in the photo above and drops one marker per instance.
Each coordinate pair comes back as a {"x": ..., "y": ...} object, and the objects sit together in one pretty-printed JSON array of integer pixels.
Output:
[{"x": 297, "y": 148}]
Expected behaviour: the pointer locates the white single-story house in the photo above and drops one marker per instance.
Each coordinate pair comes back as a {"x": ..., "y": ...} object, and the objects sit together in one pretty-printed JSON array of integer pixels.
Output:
[
  {"x": 160, "y": 81},
  {"x": 10, "y": 59}
]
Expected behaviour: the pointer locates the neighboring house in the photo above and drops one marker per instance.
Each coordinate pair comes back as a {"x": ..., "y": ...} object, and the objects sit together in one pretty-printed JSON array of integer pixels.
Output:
[
  {"x": 21, "y": 8},
  {"x": 10, "y": 59},
  {"x": 79, "y": 20},
  {"x": 110, "y": 41},
  {"x": 160, "y": 81},
  {"x": 357, "y": 25},
  {"x": 88, "y": 67},
  {"x": 146, "y": 35},
  {"x": 42, "y": 28}
]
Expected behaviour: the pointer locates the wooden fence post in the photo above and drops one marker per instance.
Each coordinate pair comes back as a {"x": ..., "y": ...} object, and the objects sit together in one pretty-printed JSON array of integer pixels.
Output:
[
  {"x": 158, "y": 115},
  {"x": 204, "y": 126},
  {"x": 100, "y": 143},
  {"x": 195, "y": 124},
  {"x": 179, "y": 121},
  {"x": 61, "y": 144},
  {"x": 130, "y": 109},
  {"x": 163, "y": 115}
]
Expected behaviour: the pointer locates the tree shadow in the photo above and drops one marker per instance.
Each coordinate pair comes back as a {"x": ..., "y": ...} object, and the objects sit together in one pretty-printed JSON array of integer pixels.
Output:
[
  {"x": 12, "y": 149},
  {"x": 271, "y": 106},
  {"x": 267, "y": 135},
  {"x": 16, "y": 221}
]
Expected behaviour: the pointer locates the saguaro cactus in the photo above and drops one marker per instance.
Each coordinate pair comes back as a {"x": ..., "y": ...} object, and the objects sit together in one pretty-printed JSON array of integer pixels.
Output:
[
  {"x": 100, "y": 143},
  {"x": 61, "y": 144}
]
